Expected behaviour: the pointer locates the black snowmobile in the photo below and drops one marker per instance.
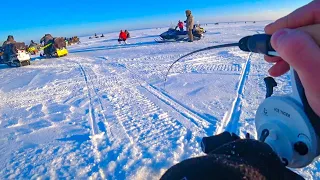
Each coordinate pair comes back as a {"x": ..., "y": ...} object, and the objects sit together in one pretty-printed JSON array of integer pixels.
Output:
[
  {"x": 15, "y": 55},
  {"x": 55, "y": 48},
  {"x": 173, "y": 35}
]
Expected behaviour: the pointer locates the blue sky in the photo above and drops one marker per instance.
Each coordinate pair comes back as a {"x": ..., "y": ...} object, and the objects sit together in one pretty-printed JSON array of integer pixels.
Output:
[{"x": 31, "y": 19}]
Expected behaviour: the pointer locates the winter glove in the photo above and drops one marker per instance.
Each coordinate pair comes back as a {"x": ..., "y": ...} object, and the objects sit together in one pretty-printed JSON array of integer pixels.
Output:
[
  {"x": 211, "y": 143},
  {"x": 236, "y": 159}
]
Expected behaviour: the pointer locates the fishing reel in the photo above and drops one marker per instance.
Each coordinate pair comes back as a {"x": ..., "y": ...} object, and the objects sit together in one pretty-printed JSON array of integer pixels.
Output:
[
  {"x": 286, "y": 123},
  {"x": 289, "y": 126}
]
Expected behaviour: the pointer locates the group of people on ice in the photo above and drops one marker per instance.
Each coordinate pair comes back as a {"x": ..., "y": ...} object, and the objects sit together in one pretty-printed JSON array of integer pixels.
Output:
[
  {"x": 123, "y": 36},
  {"x": 96, "y": 36},
  {"x": 192, "y": 32}
]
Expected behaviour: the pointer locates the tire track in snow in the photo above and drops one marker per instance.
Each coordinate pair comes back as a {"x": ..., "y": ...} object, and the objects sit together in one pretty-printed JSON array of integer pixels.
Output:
[
  {"x": 231, "y": 119},
  {"x": 196, "y": 118},
  {"x": 214, "y": 67},
  {"x": 108, "y": 81},
  {"x": 154, "y": 131},
  {"x": 93, "y": 123},
  {"x": 148, "y": 128},
  {"x": 143, "y": 84},
  {"x": 105, "y": 146},
  {"x": 97, "y": 133}
]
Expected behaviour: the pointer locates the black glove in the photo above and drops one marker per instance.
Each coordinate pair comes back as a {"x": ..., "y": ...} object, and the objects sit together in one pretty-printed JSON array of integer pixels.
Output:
[
  {"x": 208, "y": 144},
  {"x": 234, "y": 159}
]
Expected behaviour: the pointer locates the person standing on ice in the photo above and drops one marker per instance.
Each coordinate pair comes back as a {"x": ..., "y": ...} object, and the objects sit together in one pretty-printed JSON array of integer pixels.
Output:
[
  {"x": 189, "y": 24},
  {"x": 122, "y": 37},
  {"x": 230, "y": 157},
  {"x": 128, "y": 34}
]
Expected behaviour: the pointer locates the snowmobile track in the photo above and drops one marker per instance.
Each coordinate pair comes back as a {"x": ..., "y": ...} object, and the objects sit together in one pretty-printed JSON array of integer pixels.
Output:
[
  {"x": 93, "y": 123},
  {"x": 230, "y": 123},
  {"x": 196, "y": 118},
  {"x": 215, "y": 67},
  {"x": 144, "y": 123},
  {"x": 93, "y": 118}
]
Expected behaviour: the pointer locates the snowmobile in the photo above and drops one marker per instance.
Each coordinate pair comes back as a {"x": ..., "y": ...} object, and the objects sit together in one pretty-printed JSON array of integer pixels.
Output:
[
  {"x": 56, "y": 49},
  {"x": 15, "y": 55},
  {"x": 286, "y": 123},
  {"x": 173, "y": 35},
  {"x": 33, "y": 50},
  {"x": 73, "y": 40}
]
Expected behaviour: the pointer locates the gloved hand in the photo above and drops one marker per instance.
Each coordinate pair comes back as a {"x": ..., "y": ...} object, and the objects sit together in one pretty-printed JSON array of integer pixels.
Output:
[{"x": 233, "y": 159}]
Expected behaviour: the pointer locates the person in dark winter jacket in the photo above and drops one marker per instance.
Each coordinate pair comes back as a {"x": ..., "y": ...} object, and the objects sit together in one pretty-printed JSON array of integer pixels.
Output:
[
  {"x": 46, "y": 40},
  {"x": 128, "y": 34},
  {"x": 9, "y": 40},
  {"x": 33, "y": 44},
  {"x": 122, "y": 37},
  {"x": 230, "y": 157},
  {"x": 189, "y": 24},
  {"x": 8, "y": 47}
]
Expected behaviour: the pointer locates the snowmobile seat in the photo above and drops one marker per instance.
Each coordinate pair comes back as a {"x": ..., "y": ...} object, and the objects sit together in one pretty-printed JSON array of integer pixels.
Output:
[
  {"x": 20, "y": 46},
  {"x": 11, "y": 49},
  {"x": 182, "y": 32}
]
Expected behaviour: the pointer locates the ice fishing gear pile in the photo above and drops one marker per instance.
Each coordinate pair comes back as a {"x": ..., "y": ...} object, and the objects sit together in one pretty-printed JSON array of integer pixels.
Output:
[{"x": 286, "y": 123}]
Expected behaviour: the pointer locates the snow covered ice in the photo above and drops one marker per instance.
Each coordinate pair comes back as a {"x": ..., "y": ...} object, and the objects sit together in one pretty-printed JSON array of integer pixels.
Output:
[{"x": 103, "y": 113}]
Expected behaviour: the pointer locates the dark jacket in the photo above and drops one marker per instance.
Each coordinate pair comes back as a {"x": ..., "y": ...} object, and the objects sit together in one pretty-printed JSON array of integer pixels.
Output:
[
  {"x": 46, "y": 39},
  {"x": 239, "y": 159},
  {"x": 9, "y": 40}
]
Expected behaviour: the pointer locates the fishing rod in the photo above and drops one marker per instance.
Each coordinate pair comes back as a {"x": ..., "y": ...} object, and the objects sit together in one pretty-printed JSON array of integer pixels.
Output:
[
  {"x": 286, "y": 123},
  {"x": 259, "y": 43}
]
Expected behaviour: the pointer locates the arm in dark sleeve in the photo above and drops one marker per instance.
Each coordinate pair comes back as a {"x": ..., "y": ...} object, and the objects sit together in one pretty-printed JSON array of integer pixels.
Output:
[
  {"x": 41, "y": 40},
  {"x": 241, "y": 159}
]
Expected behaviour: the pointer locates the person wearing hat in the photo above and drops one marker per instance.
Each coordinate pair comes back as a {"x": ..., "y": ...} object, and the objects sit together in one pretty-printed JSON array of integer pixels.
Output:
[
  {"x": 9, "y": 40},
  {"x": 189, "y": 24}
]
